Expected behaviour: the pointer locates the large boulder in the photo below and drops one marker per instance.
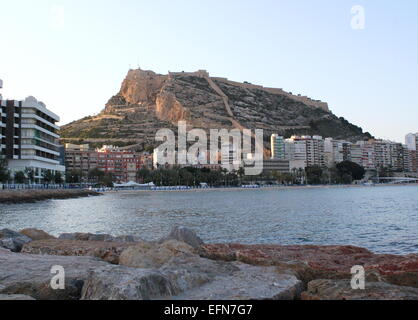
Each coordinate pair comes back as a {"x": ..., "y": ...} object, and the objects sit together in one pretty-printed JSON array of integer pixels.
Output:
[
  {"x": 108, "y": 251},
  {"x": 13, "y": 240},
  {"x": 183, "y": 234},
  {"x": 198, "y": 278},
  {"x": 123, "y": 283},
  {"x": 190, "y": 277},
  {"x": 153, "y": 255},
  {"x": 321, "y": 262},
  {"x": 36, "y": 234},
  {"x": 31, "y": 275},
  {"x": 341, "y": 290}
]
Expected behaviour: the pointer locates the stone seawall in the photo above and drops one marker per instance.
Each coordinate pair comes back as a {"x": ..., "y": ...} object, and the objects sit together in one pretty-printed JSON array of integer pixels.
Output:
[
  {"x": 181, "y": 266},
  {"x": 21, "y": 196}
]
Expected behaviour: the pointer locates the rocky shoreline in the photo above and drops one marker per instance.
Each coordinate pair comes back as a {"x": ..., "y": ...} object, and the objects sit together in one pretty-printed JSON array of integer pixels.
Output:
[
  {"x": 30, "y": 196},
  {"x": 181, "y": 266}
]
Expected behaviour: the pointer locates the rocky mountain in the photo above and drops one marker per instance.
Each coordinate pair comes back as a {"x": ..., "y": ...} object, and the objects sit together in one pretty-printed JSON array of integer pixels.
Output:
[{"x": 148, "y": 101}]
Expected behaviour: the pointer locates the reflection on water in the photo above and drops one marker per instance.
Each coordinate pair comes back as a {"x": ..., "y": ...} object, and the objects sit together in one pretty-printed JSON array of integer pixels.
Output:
[{"x": 383, "y": 219}]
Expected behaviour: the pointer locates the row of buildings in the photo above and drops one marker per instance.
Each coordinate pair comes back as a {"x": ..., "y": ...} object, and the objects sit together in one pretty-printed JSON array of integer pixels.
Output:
[
  {"x": 123, "y": 165},
  {"x": 308, "y": 151}
]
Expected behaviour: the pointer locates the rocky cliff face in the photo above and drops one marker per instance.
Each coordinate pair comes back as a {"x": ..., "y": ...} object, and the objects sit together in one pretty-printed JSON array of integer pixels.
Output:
[{"x": 148, "y": 101}]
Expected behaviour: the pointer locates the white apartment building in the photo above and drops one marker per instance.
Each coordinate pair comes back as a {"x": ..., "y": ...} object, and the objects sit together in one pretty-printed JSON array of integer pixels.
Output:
[
  {"x": 30, "y": 137},
  {"x": 382, "y": 154},
  {"x": 305, "y": 151},
  {"x": 295, "y": 152},
  {"x": 368, "y": 160},
  {"x": 336, "y": 151},
  {"x": 411, "y": 140},
  {"x": 315, "y": 151}
]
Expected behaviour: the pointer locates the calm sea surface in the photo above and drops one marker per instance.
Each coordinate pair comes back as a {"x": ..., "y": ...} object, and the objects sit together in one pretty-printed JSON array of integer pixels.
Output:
[{"x": 382, "y": 219}]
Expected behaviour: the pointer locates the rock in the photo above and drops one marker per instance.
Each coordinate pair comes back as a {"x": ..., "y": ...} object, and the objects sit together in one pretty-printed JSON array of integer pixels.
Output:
[
  {"x": 201, "y": 279},
  {"x": 14, "y": 297},
  {"x": 183, "y": 234},
  {"x": 7, "y": 233},
  {"x": 398, "y": 270},
  {"x": 36, "y": 234},
  {"x": 123, "y": 283},
  {"x": 153, "y": 255},
  {"x": 99, "y": 237},
  {"x": 191, "y": 271},
  {"x": 321, "y": 262},
  {"x": 13, "y": 240},
  {"x": 31, "y": 275},
  {"x": 4, "y": 250},
  {"x": 190, "y": 277},
  {"x": 341, "y": 290},
  {"x": 108, "y": 251},
  {"x": 85, "y": 237},
  {"x": 128, "y": 239}
]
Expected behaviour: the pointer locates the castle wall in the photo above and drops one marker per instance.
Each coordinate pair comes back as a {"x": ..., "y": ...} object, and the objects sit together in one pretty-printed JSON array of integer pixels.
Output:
[{"x": 304, "y": 99}]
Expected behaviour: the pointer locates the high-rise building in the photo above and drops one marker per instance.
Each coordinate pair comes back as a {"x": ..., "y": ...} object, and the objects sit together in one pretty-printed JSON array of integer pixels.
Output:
[
  {"x": 315, "y": 151},
  {"x": 408, "y": 159},
  {"x": 382, "y": 152},
  {"x": 277, "y": 147},
  {"x": 368, "y": 160},
  {"x": 356, "y": 154},
  {"x": 295, "y": 152},
  {"x": 411, "y": 140},
  {"x": 336, "y": 151},
  {"x": 305, "y": 151},
  {"x": 397, "y": 157},
  {"x": 29, "y": 137},
  {"x": 414, "y": 160},
  {"x": 231, "y": 156}
]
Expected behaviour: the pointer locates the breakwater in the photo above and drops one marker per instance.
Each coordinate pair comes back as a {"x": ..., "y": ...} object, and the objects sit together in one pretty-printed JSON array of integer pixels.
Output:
[{"x": 24, "y": 196}]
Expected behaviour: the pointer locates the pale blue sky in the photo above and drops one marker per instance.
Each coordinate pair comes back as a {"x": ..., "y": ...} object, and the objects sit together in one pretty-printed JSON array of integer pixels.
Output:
[{"x": 77, "y": 63}]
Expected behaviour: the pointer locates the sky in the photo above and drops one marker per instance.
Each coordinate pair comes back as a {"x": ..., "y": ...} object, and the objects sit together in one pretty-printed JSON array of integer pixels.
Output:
[{"x": 74, "y": 54}]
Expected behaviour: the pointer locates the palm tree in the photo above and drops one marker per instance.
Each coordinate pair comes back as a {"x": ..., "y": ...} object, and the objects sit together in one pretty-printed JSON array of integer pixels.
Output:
[
  {"x": 224, "y": 174},
  {"x": 30, "y": 173},
  {"x": 4, "y": 171},
  {"x": 241, "y": 173}
]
